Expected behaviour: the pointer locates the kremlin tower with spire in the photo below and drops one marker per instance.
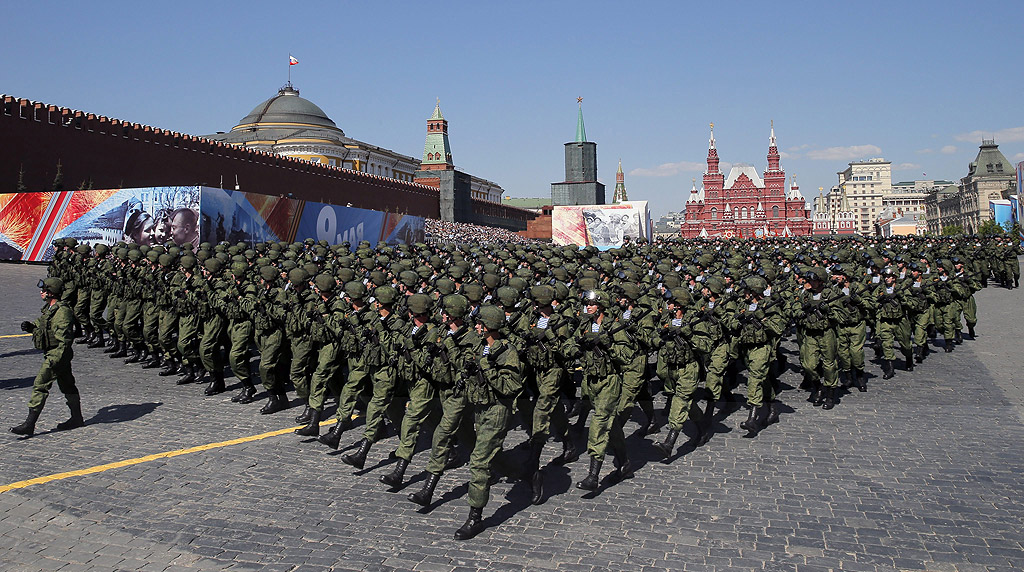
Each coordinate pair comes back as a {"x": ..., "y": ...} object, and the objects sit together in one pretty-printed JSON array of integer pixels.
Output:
[
  {"x": 619, "y": 196},
  {"x": 580, "y": 186},
  {"x": 745, "y": 204}
]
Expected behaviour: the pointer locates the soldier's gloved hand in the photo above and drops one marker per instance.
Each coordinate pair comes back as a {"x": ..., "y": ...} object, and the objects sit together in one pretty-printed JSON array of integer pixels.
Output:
[{"x": 27, "y": 326}]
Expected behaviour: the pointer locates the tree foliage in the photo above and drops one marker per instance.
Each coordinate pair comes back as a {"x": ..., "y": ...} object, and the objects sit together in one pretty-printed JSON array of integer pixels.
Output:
[{"x": 991, "y": 228}]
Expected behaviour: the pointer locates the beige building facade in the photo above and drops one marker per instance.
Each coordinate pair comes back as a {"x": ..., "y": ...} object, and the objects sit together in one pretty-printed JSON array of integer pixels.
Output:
[
  {"x": 907, "y": 197},
  {"x": 861, "y": 189},
  {"x": 865, "y": 183},
  {"x": 990, "y": 177}
]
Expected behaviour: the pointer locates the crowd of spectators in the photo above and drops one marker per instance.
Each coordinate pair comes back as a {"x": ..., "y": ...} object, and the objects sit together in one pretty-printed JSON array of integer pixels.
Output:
[{"x": 459, "y": 232}]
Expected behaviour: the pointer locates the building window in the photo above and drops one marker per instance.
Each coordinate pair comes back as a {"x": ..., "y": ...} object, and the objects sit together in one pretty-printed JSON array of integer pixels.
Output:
[
  {"x": 714, "y": 213},
  {"x": 775, "y": 212},
  {"x": 330, "y": 162}
]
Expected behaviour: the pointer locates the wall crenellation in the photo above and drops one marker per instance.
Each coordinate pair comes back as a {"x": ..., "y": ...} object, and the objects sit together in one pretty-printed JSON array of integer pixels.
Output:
[{"x": 102, "y": 125}]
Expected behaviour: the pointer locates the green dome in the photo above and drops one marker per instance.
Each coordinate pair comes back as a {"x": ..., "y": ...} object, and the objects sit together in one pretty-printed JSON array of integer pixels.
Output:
[{"x": 287, "y": 107}]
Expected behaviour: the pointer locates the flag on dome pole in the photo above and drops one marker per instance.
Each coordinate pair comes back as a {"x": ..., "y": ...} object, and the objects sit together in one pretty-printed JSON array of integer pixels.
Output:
[{"x": 292, "y": 60}]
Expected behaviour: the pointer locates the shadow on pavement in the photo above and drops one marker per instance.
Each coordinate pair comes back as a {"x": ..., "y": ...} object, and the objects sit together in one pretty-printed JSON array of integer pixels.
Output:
[
  {"x": 122, "y": 413},
  {"x": 20, "y": 353},
  {"x": 18, "y": 383}
]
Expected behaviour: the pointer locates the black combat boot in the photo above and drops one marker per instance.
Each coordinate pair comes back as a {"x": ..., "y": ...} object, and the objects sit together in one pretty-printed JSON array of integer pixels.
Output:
[
  {"x": 844, "y": 378},
  {"x": 592, "y": 479},
  {"x": 156, "y": 359},
  {"x": 122, "y": 350},
  {"x": 888, "y": 371},
  {"x": 97, "y": 341},
  {"x": 706, "y": 425},
  {"x": 918, "y": 354},
  {"x": 135, "y": 356},
  {"x": 312, "y": 428},
  {"x": 650, "y": 426},
  {"x": 333, "y": 436},
  {"x": 862, "y": 384},
  {"x": 170, "y": 367},
  {"x": 948, "y": 345},
  {"x": 304, "y": 416},
  {"x": 908, "y": 359},
  {"x": 29, "y": 426},
  {"x": 190, "y": 374},
  {"x": 423, "y": 496},
  {"x": 819, "y": 395},
  {"x": 216, "y": 383},
  {"x": 86, "y": 338},
  {"x": 275, "y": 403},
  {"x": 815, "y": 387},
  {"x": 570, "y": 453},
  {"x": 394, "y": 478},
  {"x": 749, "y": 424},
  {"x": 112, "y": 346},
  {"x": 759, "y": 420},
  {"x": 623, "y": 466},
  {"x": 774, "y": 409},
  {"x": 958, "y": 337},
  {"x": 970, "y": 332},
  {"x": 76, "y": 420},
  {"x": 246, "y": 395},
  {"x": 831, "y": 397},
  {"x": 667, "y": 446},
  {"x": 533, "y": 469},
  {"x": 474, "y": 524},
  {"x": 358, "y": 459}
]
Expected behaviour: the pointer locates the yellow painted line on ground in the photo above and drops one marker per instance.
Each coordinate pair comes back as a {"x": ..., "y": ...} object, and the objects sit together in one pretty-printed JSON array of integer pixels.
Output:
[
  {"x": 16, "y": 336},
  {"x": 148, "y": 458}
]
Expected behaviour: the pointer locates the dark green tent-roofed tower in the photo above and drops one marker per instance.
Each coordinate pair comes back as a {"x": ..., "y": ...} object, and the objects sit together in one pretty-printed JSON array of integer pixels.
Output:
[{"x": 580, "y": 186}]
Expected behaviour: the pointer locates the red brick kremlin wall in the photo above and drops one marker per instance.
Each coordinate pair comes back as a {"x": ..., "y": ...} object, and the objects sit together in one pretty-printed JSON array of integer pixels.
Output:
[{"x": 110, "y": 154}]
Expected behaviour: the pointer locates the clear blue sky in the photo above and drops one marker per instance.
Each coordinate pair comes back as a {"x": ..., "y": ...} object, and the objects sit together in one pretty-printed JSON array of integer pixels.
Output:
[{"x": 915, "y": 82}]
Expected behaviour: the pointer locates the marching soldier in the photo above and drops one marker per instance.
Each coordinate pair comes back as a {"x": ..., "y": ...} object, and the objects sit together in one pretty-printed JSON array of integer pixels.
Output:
[
  {"x": 758, "y": 322},
  {"x": 682, "y": 368},
  {"x": 53, "y": 334},
  {"x": 456, "y": 349},
  {"x": 602, "y": 349},
  {"x": 386, "y": 340},
  {"x": 240, "y": 330},
  {"x": 327, "y": 313},
  {"x": 268, "y": 319},
  {"x": 214, "y": 324},
  {"x": 494, "y": 380},
  {"x": 817, "y": 336},
  {"x": 358, "y": 356}
]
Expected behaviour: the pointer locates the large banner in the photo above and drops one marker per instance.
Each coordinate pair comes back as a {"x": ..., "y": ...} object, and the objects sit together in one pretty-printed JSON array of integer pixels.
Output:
[
  {"x": 236, "y": 216},
  {"x": 603, "y": 226},
  {"x": 29, "y": 222},
  {"x": 1017, "y": 212}
]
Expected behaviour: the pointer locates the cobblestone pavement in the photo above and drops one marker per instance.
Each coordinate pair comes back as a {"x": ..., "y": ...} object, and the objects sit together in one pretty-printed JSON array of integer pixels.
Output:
[{"x": 922, "y": 472}]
